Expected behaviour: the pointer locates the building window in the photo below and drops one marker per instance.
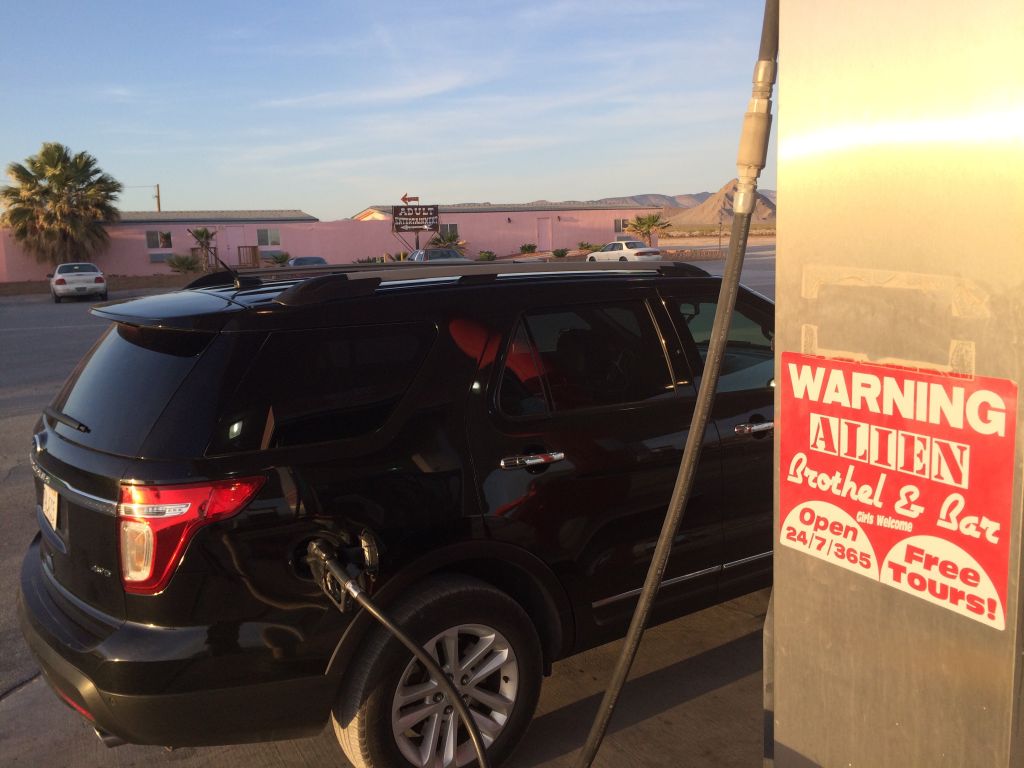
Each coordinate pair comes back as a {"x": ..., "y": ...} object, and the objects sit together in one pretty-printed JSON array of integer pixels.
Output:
[
  {"x": 621, "y": 225},
  {"x": 155, "y": 239},
  {"x": 451, "y": 230},
  {"x": 268, "y": 237}
]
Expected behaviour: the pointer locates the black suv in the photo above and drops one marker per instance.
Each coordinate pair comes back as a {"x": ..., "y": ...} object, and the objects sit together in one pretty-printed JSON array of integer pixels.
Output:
[{"x": 490, "y": 448}]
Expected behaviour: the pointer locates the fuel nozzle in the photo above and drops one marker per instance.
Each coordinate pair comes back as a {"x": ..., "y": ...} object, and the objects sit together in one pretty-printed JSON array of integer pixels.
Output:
[
  {"x": 757, "y": 122},
  {"x": 338, "y": 581}
]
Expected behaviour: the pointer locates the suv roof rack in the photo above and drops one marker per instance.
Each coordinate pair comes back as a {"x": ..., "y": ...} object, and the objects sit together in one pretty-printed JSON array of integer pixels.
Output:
[
  {"x": 346, "y": 281},
  {"x": 323, "y": 283}
]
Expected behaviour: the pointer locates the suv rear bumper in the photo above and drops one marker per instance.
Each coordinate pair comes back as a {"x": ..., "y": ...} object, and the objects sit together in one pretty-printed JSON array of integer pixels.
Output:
[{"x": 259, "y": 712}]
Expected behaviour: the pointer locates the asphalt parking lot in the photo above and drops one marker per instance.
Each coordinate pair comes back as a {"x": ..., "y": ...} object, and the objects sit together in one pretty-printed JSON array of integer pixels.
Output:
[{"x": 694, "y": 697}]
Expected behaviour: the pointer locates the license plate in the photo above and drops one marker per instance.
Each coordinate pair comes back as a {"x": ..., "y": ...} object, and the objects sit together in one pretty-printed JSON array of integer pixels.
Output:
[
  {"x": 80, "y": 289},
  {"x": 50, "y": 498}
]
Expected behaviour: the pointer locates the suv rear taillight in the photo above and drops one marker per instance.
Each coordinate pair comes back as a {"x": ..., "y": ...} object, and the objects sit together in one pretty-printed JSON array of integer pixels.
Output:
[{"x": 156, "y": 524}]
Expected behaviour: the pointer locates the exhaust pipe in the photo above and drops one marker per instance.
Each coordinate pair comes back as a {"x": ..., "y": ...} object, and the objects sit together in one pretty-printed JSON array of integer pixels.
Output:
[{"x": 109, "y": 740}]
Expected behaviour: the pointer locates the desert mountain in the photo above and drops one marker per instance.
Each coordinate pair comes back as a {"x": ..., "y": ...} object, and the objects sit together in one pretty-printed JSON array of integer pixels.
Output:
[
  {"x": 707, "y": 203},
  {"x": 658, "y": 201},
  {"x": 718, "y": 207}
]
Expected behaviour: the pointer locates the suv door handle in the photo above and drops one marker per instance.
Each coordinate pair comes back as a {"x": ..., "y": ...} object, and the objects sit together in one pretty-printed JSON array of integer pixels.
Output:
[
  {"x": 531, "y": 460},
  {"x": 754, "y": 428}
]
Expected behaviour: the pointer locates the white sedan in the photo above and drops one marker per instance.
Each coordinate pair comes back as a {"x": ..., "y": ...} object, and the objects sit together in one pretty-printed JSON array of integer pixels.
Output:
[
  {"x": 626, "y": 250},
  {"x": 77, "y": 279}
]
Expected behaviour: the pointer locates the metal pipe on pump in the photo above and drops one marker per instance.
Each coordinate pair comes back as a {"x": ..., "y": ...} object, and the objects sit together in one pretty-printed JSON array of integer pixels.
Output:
[{"x": 753, "y": 151}]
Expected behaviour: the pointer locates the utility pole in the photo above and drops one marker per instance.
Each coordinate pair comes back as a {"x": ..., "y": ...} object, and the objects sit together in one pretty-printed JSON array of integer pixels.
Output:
[{"x": 158, "y": 198}]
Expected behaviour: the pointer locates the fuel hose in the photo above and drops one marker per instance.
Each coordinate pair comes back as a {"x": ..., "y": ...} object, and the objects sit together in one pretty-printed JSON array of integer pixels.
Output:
[
  {"x": 320, "y": 551},
  {"x": 753, "y": 151}
]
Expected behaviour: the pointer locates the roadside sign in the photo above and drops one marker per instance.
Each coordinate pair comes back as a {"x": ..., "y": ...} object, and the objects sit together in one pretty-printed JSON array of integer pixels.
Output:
[
  {"x": 901, "y": 475},
  {"x": 414, "y": 218}
]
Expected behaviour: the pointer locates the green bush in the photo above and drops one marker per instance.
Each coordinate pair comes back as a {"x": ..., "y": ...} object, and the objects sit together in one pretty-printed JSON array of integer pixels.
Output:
[
  {"x": 486, "y": 256},
  {"x": 583, "y": 245},
  {"x": 560, "y": 253},
  {"x": 528, "y": 248},
  {"x": 186, "y": 264},
  {"x": 278, "y": 259}
]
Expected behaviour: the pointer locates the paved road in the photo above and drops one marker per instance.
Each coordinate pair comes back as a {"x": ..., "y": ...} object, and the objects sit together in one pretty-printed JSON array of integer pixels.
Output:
[
  {"x": 758, "y": 269},
  {"x": 694, "y": 699}
]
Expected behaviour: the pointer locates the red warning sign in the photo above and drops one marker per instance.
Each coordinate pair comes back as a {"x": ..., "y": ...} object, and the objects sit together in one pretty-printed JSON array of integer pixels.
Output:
[{"x": 901, "y": 475}]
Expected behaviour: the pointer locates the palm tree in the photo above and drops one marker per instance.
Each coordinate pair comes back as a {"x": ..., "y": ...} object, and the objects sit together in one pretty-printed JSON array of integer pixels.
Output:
[
  {"x": 448, "y": 239},
  {"x": 645, "y": 227},
  {"x": 59, "y": 204},
  {"x": 205, "y": 250}
]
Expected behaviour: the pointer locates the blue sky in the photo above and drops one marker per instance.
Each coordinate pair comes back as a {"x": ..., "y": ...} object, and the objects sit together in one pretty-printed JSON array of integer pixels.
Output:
[{"x": 334, "y": 106}]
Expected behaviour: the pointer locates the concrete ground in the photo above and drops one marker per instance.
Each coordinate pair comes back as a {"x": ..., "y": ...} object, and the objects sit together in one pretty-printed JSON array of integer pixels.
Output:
[
  {"x": 694, "y": 699},
  {"x": 695, "y": 692}
]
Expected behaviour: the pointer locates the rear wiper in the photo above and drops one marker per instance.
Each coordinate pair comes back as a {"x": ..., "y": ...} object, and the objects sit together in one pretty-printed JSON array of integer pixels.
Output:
[{"x": 63, "y": 418}]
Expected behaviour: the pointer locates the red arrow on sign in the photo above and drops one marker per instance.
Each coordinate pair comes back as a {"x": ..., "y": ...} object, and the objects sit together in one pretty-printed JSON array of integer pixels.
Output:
[{"x": 406, "y": 199}]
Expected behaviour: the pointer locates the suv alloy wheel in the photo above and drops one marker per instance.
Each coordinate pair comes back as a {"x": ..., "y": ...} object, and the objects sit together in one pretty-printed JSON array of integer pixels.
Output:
[{"x": 393, "y": 714}]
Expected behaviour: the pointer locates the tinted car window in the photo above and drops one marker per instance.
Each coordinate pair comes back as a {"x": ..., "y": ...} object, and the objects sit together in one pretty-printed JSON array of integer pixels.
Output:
[
  {"x": 749, "y": 362},
  {"x": 123, "y": 385},
  {"x": 313, "y": 386},
  {"x": 521, "y": 392},
  {"x": 598, "y": 355},
  {"x": 65, "y": 269}
]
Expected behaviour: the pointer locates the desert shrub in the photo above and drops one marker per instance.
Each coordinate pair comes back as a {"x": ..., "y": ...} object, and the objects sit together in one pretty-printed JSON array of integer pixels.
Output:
[
  {"x": 486, "y": 256},
  {"x": 528, "y": 248},
  {"x": 280, "y": 259},
  {"x": 560, "y": 253},
  {"x": 187, "y": 263},
  {"x": 583, "y": 245}
]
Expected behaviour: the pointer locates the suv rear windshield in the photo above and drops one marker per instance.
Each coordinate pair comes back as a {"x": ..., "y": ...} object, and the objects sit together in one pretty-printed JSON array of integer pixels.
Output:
[{"x": 123, "y": 385}]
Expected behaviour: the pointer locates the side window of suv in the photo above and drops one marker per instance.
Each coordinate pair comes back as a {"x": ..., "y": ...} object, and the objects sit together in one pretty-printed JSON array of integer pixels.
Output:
[
  {"x": 313, "y": 386},
  {"x": 587, "y": 356},
  {"x": 521, "y": 392},
  {"x": 749, "y": 361}
]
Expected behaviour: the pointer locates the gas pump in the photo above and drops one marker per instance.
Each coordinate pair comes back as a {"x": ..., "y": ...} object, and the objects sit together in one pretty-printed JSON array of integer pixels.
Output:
[{"x": 895, "y": 631}]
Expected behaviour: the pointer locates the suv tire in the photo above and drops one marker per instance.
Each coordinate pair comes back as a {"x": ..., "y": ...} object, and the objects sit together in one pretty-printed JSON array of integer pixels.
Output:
[{"x": 446, "y": 611}]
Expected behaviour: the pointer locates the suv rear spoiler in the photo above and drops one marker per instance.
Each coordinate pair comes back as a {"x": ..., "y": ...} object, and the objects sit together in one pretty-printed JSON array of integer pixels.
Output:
[{"x": 182, "y": 310}]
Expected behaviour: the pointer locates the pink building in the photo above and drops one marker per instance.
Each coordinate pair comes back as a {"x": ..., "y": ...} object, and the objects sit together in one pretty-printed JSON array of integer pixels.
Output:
[
  {"x": 142, "y": 241},
  {"x": 504, "y": 228}
]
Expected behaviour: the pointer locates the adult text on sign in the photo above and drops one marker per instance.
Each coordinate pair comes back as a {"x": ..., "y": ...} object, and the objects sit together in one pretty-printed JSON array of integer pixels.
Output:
[{"x": 414, "y": 218}]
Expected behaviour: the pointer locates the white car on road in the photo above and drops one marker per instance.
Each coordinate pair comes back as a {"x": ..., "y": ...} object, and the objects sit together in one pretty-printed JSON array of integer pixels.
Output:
[
  {"x": 78, "y": 278},
  {"x": 626, "y": 250}
]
